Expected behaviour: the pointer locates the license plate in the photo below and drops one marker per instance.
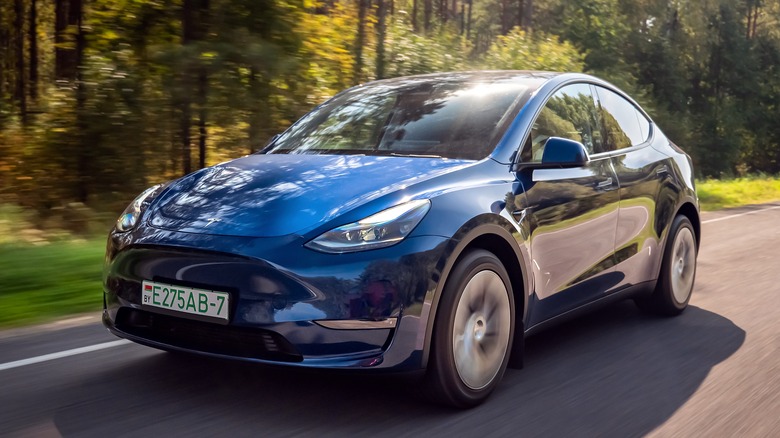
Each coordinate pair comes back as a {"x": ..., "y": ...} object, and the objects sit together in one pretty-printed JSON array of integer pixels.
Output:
[{"x": 189, "y": 300}]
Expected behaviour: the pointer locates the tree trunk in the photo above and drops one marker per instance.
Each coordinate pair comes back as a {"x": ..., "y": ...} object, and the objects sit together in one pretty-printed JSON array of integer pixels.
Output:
[
  {"x": 259, "y": 120},
  {"x": 32, "y": 32},
  {"x": 203, "y": 83},
  {"x": 5, "y": 49},
  {"x": 753, "y": 28},
  {"x": 66, "y": 16},
  {"x": 468, "y": 20},
  {"x": 381, "y": 30},
  {"x": 60, "y": 24},
  {"x": 253, "y": 130},
  {"x": 520, "y": 13},
  {"x": 184, "y": 132},
  {"x": 415, "y": 27},
  {"x": 462, "y": 18},
  {"x": 194, "y": 21},
  {"x": 427, "y": 12},
  {"x": 84, "y": 162},
  {"x": 528, "y": 12},
  {"x": 360, "y": 38},
  {"x": 20, "y": 89},
  {"x": 185, "y": 104},
  {"x": 505, "y": 20}
]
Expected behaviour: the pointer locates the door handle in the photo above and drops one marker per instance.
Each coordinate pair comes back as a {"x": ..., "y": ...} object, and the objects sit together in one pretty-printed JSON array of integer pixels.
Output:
[
  {"x": 663, "y": 170},
  {"x": 607, "y": 183}
]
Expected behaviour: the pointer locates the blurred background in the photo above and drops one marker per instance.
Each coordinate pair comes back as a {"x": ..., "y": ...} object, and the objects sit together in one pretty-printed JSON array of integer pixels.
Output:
[{"x": 101, "y": 98}]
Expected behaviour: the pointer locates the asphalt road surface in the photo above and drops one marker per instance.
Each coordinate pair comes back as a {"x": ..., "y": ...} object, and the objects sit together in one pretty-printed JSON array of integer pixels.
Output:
[{"x": 714, "y": 372}]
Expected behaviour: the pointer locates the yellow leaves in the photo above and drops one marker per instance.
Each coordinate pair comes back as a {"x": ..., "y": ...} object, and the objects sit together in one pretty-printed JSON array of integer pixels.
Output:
[
  {"x": 520, "y": 51},
  {"x": 326, "y": 49},
  {"x": 109, "y": 34}
]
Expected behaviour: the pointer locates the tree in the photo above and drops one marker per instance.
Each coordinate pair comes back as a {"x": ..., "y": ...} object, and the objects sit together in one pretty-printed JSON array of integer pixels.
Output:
[
  {"x": 130, "y": 88},
  {"x": 381, "y": 31},
  {"x": 519, "y": 50},
  {"x": 194, "y": 24},
  {"x": 68, "y": 14},
  {"x": 32, "y": 36},
  {"x": 20, "y": 93},
  {"x": 427, "y": 14},
  {"x": 360, "y": 41}
]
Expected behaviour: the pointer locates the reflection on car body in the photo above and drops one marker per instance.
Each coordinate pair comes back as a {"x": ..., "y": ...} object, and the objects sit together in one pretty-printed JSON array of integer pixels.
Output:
[{"x": 420, "y": 223}]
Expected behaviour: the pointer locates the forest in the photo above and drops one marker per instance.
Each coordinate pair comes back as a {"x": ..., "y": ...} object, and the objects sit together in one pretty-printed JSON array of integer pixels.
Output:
[{"x": 101, "y": 98}]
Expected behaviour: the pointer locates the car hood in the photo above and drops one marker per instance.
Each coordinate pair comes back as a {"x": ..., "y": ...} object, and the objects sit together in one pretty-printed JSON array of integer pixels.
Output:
[{"x": 276, "y": 195}]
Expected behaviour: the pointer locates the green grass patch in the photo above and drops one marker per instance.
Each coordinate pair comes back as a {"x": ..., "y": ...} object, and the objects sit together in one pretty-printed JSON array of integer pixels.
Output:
[
  {"x": 40, "y": 283},
  {"x": 717, "y": 194}
]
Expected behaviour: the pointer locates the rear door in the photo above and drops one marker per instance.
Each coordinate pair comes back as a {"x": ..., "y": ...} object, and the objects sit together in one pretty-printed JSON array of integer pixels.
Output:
[
  {"x": 572, "y": 212},
  {"x": 641, "y": 172}
]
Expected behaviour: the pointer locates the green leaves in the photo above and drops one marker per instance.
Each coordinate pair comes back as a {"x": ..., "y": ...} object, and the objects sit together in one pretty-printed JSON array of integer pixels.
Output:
[
  {"x": 707, "y": 72},
  {"x": 520, "y": 51}
]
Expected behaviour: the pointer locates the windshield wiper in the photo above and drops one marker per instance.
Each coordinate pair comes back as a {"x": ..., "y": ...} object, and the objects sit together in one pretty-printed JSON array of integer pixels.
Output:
[{"x": 415, "y": 155}]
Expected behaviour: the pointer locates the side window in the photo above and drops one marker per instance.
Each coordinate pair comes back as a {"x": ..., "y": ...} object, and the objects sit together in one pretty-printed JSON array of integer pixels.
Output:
[
  {"x": 570, "y": 113},
  {"x": 622, "y": 125}
]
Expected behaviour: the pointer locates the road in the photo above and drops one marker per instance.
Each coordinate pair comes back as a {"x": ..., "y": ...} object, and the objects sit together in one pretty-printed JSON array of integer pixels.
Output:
[{"x": 714, "y": 371}]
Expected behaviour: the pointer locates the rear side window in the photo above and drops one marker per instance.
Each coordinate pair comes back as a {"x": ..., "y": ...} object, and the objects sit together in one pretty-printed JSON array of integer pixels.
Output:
[{"x": 622, "y": 125}]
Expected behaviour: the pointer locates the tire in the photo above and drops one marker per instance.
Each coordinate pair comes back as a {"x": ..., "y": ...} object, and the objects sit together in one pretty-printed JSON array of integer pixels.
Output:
[
  {"x": 678, "y": 272},
  {"x": 473, "y": 332}
]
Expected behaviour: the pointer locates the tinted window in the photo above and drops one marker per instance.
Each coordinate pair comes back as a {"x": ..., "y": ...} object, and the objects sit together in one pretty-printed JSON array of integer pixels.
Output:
[
  {"x": 448, "y": 119},
  {"x": 622, "y": 124},
  {"x": 570, "y": 113},
  {"x": 644, "y": 126}
]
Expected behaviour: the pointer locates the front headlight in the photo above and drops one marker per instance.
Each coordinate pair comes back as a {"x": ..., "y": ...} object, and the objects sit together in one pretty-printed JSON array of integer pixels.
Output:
[
  {"x": 385, "y": 228},
  {"x": 129, "y": 217}
]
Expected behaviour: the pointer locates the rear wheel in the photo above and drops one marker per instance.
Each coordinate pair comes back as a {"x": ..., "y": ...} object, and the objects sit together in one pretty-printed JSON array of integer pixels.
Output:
[
  {"x": 472, "y": 333},
  {"x": 678, "y": 272}
]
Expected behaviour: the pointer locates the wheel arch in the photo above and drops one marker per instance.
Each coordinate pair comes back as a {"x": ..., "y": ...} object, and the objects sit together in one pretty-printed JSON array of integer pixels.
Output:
[
  {"x": 690, "y": 211},
  {"x": 496, "y": 238}
]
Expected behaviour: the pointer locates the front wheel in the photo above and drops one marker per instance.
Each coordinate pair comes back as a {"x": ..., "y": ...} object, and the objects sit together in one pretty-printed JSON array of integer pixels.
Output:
[
  {"x": 472, "y": 333},
  {"x": 678, "y": 271}
]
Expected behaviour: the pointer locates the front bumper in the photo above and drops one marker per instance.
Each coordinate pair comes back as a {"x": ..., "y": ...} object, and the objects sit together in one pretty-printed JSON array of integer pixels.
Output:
[{"x": 289, "y": 305}]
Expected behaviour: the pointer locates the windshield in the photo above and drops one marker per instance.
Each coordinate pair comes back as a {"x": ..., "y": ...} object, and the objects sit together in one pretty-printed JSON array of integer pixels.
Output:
[{"x": 453, "y": 119}]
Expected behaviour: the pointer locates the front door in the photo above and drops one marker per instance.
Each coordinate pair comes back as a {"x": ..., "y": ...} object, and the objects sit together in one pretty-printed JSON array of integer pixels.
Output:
[{"x": 572, "y": 213}]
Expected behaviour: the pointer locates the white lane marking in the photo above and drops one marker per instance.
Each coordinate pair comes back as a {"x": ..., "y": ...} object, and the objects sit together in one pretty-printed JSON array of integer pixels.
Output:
[
  {"x": 738, "y": 215},
  {"x": 61, "y": 354}
]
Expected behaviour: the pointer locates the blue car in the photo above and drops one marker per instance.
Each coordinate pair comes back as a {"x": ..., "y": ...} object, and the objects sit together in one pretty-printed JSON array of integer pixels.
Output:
[{"x": 427, "y": 223}]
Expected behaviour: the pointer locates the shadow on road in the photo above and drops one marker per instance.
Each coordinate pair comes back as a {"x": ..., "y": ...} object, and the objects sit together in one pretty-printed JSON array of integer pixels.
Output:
[{"x": 615, "y": 372}]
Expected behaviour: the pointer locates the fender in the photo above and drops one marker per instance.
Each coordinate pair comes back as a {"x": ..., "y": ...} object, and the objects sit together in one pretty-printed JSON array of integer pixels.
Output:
[
  {"x": 481, "y": 226},
  {"x": 688, "y": 198}
]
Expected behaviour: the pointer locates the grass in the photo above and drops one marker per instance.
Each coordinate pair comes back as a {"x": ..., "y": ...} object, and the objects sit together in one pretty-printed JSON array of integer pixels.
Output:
[
  {"x": 40, "y": 283},
  {"x": 717, "y": 194}
]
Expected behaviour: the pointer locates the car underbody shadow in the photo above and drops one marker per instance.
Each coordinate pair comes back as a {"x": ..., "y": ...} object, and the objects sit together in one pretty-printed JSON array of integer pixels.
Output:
[{"x": 613, "y": 372}]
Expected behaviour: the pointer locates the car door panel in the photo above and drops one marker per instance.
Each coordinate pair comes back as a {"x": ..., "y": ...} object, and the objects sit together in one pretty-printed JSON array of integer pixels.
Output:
[
  {"x": 641, "y": 171},
  {"x": 572, "y": 211},
  {"x": 573, "y": 215},
  {"x": 646, "y": 195}
]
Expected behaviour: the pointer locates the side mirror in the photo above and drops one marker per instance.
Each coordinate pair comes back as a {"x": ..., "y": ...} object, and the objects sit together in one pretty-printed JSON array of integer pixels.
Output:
[
  {"x": 565, "y": 152},
  {"x": 559, "y": 153}
]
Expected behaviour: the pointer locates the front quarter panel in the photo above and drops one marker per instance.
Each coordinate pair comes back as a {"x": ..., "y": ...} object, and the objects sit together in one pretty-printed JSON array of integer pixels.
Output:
[{"x": 468, "y": 214}]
